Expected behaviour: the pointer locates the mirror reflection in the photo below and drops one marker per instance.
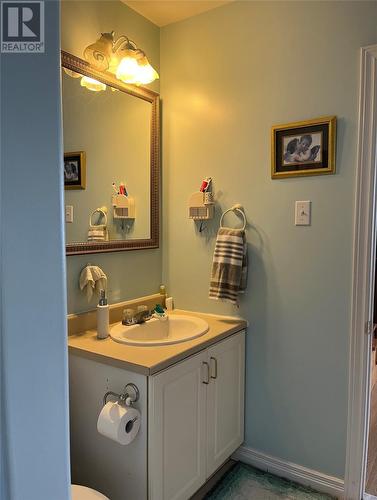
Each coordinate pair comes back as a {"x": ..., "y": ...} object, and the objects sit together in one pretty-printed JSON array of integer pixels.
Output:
[{"x": 107, "y": 164}]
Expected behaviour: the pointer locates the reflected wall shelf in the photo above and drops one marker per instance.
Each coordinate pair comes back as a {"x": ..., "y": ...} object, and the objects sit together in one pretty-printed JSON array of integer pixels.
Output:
[{"x": 123, "y": 207}]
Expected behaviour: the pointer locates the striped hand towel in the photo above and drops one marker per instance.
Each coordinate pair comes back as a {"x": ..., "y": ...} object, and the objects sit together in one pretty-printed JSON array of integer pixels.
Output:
[{"x": 229, "y": 268}]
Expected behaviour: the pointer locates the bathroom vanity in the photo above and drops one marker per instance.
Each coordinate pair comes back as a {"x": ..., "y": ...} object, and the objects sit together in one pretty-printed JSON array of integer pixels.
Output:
[{"x": 191, "y": 404}]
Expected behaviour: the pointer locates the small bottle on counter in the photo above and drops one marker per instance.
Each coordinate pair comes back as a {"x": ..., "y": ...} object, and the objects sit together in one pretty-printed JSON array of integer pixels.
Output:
[
  {"x": 163, "y": 294},
  {"x": 102, "y": 316}
]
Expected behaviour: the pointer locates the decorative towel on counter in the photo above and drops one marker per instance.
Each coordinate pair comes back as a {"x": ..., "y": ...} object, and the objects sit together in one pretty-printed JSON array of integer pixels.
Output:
[
  {"x": 92, "y": 278},
  {"x": 229, "y": 268}
]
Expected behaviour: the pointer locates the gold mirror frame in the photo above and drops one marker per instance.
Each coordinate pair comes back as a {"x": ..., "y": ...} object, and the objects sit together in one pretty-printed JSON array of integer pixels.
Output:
[{"x": 74, "y": 63}]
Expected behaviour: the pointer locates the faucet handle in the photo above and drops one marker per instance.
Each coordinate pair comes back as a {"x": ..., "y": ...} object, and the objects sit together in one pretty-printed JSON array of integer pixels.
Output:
[
  {"x": 143, "y": 312},
  {"x": 128, "y": 317}
]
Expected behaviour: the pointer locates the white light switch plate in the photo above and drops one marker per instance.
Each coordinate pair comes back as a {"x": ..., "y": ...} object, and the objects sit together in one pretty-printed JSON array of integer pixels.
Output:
[
  {"x": 302, "y": 213},
  {"x": 69, "y": 213}
]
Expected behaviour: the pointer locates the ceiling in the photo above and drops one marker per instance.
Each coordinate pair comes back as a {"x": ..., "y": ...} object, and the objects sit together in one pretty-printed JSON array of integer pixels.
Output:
[{"x": 163, "y": 12}]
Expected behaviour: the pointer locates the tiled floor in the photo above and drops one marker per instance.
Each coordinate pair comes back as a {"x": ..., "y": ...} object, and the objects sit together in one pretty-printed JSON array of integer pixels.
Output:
[{"x": 244, "y": 483}]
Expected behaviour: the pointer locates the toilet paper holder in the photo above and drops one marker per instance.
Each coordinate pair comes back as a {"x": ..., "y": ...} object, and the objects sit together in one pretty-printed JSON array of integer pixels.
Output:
[{"x": 130, "y": 395}]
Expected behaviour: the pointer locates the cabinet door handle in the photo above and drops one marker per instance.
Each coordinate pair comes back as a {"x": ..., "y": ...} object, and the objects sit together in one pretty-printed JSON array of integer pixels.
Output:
[
  {"x": 215, "y": 365},
  {"x": 207, "y": 369}
]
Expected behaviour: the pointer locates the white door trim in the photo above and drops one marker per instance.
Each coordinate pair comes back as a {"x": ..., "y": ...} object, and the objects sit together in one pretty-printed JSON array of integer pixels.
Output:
[{"x": 363, "y": 278}]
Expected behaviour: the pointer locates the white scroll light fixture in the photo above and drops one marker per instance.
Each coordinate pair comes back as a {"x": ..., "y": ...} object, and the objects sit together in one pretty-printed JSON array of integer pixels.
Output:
[{"x": 121, "y": 57}]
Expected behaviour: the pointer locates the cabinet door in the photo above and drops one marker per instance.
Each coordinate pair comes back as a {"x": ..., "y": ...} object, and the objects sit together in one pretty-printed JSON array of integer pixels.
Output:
[
  {"x": 225, "y": 402},
  {"x": 177, "y": 420}
]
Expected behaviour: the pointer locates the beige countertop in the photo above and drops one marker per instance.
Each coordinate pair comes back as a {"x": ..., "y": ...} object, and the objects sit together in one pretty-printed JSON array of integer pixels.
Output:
[{"x": 152, "y": 359}]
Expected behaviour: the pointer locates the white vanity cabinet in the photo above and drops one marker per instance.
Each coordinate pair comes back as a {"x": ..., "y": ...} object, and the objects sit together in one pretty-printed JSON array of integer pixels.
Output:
[
  {"x": 196, "y": 418},
  {"x": 225, "y": 400},
  {"x": 191, "y": 419}
]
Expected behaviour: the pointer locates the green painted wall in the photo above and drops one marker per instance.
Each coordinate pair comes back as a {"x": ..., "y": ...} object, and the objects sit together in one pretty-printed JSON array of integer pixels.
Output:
[
  {"x": 227, "y": 76},
  {"x": 134, "y": 273}
]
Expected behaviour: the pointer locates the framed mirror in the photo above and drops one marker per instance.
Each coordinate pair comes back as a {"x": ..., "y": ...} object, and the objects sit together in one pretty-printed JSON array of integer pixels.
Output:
[{"x": 111, "y": 162}]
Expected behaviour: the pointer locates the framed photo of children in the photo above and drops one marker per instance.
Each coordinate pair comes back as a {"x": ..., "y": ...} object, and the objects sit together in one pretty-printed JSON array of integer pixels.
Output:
[
  {"x": 75, "y": 170},
  {"x": 303, "y": 148}
]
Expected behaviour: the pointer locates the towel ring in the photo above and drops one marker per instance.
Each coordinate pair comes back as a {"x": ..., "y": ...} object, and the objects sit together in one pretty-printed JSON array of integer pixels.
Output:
[
  {"x": 235, "y": 208},
  {"x": 102, "y": 211}
]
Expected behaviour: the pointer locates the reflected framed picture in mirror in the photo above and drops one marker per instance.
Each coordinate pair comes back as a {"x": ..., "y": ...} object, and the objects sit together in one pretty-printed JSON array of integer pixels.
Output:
[{"x": 75, "y": 170}]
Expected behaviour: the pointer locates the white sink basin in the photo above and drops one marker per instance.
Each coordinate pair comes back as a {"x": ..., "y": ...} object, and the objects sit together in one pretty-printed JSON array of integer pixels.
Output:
[{"x": 175, "y": 329}]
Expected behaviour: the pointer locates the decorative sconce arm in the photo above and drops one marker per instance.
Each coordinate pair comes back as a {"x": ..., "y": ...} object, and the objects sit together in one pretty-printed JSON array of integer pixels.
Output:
[{"x": 122, "y": 40}]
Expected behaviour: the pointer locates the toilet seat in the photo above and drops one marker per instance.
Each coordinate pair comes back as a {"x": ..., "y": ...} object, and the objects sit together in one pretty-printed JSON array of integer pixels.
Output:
[{"x": 84, "y": 493}]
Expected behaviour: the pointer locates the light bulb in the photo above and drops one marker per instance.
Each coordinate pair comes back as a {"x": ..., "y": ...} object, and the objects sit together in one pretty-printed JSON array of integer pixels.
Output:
[
  {"x": 92, "y": 84},
  {"x": 127, "y": 69},
  {"x": 135, "y": 68},
  {"x": 146, "y": 74}
]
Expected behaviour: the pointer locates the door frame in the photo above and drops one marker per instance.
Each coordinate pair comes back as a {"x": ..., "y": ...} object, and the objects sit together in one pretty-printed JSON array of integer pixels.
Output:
[{"x": 364, "y": 253}]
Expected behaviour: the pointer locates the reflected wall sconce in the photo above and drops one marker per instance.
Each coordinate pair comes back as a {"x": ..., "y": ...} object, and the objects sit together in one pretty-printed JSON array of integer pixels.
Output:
[{"x": 121, "y": 57}]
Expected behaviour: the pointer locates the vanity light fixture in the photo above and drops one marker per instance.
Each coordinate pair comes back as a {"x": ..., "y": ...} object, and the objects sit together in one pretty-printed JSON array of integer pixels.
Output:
[
  {"x": 121, "y": 57},
  {"x": 92, "y": 84}
]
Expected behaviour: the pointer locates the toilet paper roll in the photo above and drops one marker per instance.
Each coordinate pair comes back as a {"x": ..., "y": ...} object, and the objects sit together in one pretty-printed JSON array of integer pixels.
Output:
[{"x": 119, "y": 423}]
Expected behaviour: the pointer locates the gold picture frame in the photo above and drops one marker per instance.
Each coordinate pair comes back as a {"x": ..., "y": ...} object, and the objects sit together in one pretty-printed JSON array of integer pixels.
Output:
[
  {"x": 75, "y": 170},
  {"x": 303, "y": 148}
]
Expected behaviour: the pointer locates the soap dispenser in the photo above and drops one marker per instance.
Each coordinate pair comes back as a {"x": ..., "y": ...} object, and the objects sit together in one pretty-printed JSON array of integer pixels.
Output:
[{"x": 102, "y": 316}]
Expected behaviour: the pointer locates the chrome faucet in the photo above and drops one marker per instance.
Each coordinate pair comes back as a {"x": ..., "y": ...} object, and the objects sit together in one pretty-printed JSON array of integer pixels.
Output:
[
  {"x": 131, "y": 318},
  {"x": 142, "y": 316}
]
